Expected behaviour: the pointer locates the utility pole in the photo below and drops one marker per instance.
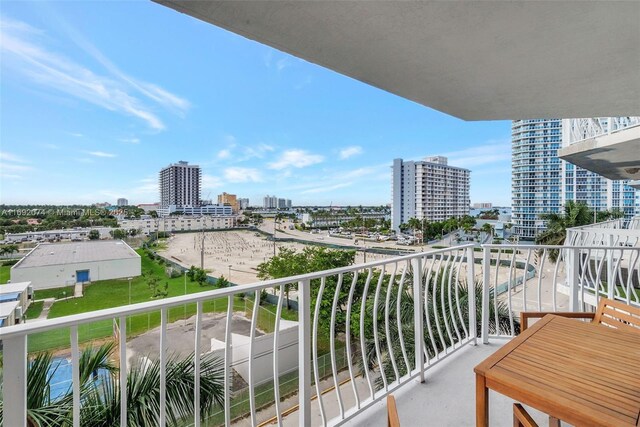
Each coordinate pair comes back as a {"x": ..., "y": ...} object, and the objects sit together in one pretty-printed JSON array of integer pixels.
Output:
[
  {"x": 275, "y": 219},
  {"x": 202, "y": 251}
]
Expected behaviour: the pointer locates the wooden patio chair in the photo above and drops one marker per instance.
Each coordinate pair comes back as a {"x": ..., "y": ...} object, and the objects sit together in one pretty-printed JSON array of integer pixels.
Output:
[
  {"x": 521, "y": 418},
  {"x": 611, "y": 313},
  {"x": 392, "y": 412}
]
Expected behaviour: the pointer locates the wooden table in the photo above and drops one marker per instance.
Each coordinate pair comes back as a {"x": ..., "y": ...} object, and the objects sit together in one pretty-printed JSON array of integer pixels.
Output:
[{"x": 581, "y": 373}]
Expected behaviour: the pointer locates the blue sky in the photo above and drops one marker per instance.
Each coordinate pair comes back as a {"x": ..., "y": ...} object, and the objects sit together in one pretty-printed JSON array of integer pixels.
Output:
[{"x": 96, "y": 97}]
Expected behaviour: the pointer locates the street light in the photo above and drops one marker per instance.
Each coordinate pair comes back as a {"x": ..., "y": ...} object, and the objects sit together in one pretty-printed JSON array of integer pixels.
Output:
[{"x": 185, "y": 292}]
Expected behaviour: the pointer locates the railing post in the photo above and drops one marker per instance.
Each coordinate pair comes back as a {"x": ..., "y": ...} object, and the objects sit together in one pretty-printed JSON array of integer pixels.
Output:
[
  {"x": 486, "y": 279},
  {"x": 304, "y": 353},
  {"x": 573, "y": 277},
  {"x": 416, "y": 266},
  {"x": 14, "y": 387},
  {"x": 611, "y": 277},
  {"x": 471, "y": 289}
]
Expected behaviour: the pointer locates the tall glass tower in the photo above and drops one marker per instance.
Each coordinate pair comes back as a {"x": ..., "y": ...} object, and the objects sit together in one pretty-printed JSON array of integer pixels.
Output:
[{"x": 536, "y": 177}]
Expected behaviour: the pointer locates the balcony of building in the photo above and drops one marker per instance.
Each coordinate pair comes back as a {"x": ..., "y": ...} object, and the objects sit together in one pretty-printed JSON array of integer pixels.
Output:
[{"x": 363, "y": 331}]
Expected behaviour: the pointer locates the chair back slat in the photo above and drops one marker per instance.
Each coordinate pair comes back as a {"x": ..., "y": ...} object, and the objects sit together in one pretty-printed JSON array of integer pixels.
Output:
[
  {"x": 392, "y": 412},
  {"x": 618, "y": 315}
]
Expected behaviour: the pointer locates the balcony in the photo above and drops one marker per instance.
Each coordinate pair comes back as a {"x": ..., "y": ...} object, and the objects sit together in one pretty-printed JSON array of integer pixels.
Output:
[{"x": 413, "y": 326}]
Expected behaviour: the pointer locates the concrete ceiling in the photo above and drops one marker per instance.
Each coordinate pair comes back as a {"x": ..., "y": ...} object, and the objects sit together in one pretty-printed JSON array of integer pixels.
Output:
[
  {"x": 477, "y": 60},
  {"x": 615, "y": 156}
]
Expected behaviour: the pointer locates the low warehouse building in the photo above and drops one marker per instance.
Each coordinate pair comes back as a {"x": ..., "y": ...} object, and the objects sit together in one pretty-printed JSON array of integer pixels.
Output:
[{"x": 52, "y": 265}]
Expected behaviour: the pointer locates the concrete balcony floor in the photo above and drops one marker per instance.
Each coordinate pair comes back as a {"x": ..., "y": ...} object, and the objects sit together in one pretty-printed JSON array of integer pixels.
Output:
[{"x": 447, "y": 398}]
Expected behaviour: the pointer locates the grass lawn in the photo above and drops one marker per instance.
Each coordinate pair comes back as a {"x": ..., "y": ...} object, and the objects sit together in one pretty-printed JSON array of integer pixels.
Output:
[
  {"x": 34, "y": 310},
  {"x": 115, "y": 293},
  {"x": 57, "y": 293},
  {"x": 5, "y": 274}
]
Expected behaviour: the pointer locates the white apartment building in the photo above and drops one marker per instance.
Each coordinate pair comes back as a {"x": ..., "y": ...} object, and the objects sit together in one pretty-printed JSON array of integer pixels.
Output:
[
  {"x": 179, "y": 223},
  {"x": 429, "y": 189},
  {"x": 122, "y": 202},
  {"x": 218, "y": 210},
  {"x": 243, "y": 203},
  {"x": 542, "y": 182},
  {"x": 180, "y": 185}
]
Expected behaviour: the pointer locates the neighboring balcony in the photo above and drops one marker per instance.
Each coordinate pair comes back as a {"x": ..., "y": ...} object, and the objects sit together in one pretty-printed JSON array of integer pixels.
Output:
[
  {"x": 607, "y": 146},
  {"x": 414, "y": 326}
]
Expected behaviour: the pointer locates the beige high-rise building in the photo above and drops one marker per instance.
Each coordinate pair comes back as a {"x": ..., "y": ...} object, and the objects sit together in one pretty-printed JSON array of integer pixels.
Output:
[{"x": 229, "y": 199}]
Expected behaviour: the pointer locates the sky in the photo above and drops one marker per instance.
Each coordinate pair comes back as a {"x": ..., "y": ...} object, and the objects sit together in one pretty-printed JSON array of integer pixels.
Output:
[{"x": 97, "y": 97}]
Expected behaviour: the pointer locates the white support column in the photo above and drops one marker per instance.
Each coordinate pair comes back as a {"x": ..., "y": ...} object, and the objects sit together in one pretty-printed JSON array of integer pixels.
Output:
[
  {"x": 304, "y": 353},
  {"x": 14, "y": 386},
  {"x": 471, "y": 286},
  {"x": 75, "y": 375},
  {"x": 123, "y": 371},
  {"x": 573, "y": 277},
  {"x": 486, "y": 282},
  {"x": 418, "y": 314}
]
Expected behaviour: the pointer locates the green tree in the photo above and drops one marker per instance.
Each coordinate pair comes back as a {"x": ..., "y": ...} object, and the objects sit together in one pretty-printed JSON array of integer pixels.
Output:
[
  {"x": 573, "y": 215},
  {"x": 118, "y": 233},
  {"x": 8, "y": 249},
  {"x": 94, "y": 235},
  {"x": 100, "y": 404}
]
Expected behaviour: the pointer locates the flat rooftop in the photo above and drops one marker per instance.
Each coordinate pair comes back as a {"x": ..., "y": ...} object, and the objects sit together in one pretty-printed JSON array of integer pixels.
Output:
[
  {"x": 76, "y": 252},
  {"x": 6, "y": 308},
  {"x": 14, "y": 287}
]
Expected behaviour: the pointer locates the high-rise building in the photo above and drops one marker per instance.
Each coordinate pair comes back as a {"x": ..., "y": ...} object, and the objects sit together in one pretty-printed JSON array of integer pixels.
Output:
[
  {"x": 122, "y": 202},
  {"x": 229, "y": 199},
  {"x": 535, "y": 173},
  {"x": 289, "y": 204},
  {"x": 270, "y": 202},
  {"x": 428, "y": 189},
  {"x": 543, "y": 183},
  {"x": 243, "y": 203},
  {"x": 180, "y": 185}
]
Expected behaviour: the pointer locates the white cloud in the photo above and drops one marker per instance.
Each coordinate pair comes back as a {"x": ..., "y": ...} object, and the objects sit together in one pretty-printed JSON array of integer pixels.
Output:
[
  {"x": 50, "y": 146},
  {"x": 351, "y": 151},
  {"x": 76, "y": 134},
  {"x": 224, "y": 154},
  {"x": 237, "y": 175},
  {"x": 296, "y": 159},
  {"x": 326, "y": 189},
  {"x": 8, "y": 157},
  {"x": 130, "y": 140},
  {"x": 100, "y": 154},
  {"x": 258, "y": 151},
  {"x": 24, "y": 54},
  {"x": 490, "y": 152},
  {"x": 210, "y": 181}
]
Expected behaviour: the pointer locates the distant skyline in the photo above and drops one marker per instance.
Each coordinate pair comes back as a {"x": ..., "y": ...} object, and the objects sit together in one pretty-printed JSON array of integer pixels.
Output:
[{"x": 97, "y": 97}]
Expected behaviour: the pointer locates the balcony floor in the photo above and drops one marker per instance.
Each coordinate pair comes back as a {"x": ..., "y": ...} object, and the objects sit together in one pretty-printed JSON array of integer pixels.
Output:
[{"x": 447, "y": 398}]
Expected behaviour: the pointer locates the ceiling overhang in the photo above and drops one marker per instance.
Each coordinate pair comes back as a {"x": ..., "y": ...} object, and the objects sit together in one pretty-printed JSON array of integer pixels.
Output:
[
  {"x": 614, "y": 156},
  {"x": 476, "y": 60}
]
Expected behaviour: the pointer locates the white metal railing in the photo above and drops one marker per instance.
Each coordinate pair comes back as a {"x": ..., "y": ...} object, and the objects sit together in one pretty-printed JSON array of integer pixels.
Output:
[
  {"x": 553, "y": 278},
  {"x": 617, "y": 232},
  {"x": 362, "y": 331},
  {"x": 585, "y": 128},
  {"x": 394, "y": 318}
]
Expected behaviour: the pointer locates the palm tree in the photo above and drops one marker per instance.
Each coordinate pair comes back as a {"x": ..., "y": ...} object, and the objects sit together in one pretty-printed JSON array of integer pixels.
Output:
[
  {"x": 437, "y": 316},
  {"x": 101, "y": 406},
  {"x": 100, "y": 400},
  {"x": 574, "y": 215}
]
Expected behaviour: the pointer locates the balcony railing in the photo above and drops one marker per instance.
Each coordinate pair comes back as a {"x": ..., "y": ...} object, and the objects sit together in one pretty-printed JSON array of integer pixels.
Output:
[{"x": 362, "y": 331}]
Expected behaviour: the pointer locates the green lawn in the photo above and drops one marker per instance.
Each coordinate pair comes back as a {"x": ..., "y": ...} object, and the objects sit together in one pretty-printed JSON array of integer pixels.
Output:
[
  {"x": 5, "y": 273},
  {"x": 57, "y": 293},
  {"x": 115, "y": 293},
  {"x": 34, "y": 310}
]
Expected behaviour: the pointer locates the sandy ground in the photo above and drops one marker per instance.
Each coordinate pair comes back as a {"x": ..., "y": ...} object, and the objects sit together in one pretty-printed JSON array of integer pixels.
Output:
[{"x": 236, "y": 254}]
